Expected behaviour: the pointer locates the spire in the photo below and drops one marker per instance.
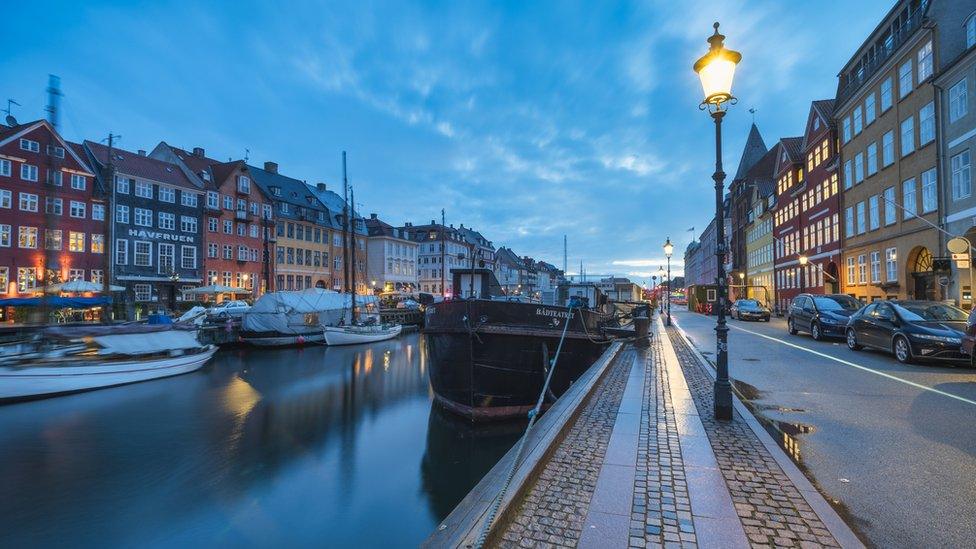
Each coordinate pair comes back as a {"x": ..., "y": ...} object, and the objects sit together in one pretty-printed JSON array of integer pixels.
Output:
[{"x": 754, "y": 150}]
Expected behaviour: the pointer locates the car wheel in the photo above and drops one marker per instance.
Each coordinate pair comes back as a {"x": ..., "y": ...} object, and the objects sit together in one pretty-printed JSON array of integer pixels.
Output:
[
  {"x": 902, "y": 350},
  {"x": 222, "y": 314},
  {"x": 852, "y": 340},
  {"x": 972, "y": 360},
  {"x": 790, "y": 327},
  {"x": 815, "y": 332}
]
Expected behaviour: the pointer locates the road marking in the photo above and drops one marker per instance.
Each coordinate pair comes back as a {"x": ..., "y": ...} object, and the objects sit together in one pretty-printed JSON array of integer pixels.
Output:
[{"x": 859, "y": 367}]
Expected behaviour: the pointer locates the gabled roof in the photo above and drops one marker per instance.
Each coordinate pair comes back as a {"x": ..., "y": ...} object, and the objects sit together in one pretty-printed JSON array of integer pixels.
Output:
[
  {"x": 10, "y": 133},
  {"x": 751, "y": 153},
  {"x": 824, "y": 108},
  {"x": 196, "y": 163},
  {"x": 377, "y": 227},
  {"x": 335, "y": 204},
  {"x": 136, "y": 165},
  {"x": 474, "y": 237},
  {"x": 281, "y": 188},
  {"x": 792, "y": 146}
]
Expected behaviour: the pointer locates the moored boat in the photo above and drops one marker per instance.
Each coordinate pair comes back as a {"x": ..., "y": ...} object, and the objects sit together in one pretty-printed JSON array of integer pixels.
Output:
[
  {"x": 297, "y": 317},
  {"x": 489, "y": 354},
  {"x": 69, "y": 360},
  {"x": 354, "y": 335}
]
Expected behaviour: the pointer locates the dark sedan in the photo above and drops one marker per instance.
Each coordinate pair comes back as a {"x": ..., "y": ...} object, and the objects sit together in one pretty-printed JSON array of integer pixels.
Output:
[
  {"x": 821, "y": 315},
  {"x": 749, "y": 309},
  {"x": 912, "y": 330}
]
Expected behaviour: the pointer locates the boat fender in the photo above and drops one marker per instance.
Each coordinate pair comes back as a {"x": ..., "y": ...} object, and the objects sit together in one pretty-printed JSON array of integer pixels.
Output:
[{"x": 300, "y": 340}]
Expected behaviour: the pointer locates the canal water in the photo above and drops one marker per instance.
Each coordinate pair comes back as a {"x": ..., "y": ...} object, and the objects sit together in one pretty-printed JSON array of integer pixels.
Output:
[{"x": 316, "y": 446}]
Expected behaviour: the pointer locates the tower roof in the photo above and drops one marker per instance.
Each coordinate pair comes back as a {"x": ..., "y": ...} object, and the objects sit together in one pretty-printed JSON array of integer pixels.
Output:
[{"x": 754, "y": 150}]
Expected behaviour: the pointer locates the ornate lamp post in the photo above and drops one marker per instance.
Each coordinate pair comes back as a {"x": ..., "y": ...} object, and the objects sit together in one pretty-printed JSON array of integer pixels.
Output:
[
  {"x": 668, "y": 250},
  {"x": 803, "y": 266},
  {"x": 660, "y": 285},
  {"x": 715, "y": 70}
]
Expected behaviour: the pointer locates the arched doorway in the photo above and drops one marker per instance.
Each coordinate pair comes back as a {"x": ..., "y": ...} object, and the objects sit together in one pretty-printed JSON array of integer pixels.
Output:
[
  {"x": 320, "y": 284},
  {"x": 921, "y": 276},
  {"x": 831, "y": 279}
]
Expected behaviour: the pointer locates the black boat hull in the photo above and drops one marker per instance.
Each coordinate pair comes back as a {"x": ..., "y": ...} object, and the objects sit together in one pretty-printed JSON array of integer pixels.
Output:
[{"x": 498, "y": 368}]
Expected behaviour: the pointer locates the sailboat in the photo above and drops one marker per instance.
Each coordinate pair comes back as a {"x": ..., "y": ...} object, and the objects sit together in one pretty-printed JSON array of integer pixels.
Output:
[{"x": 356, "y": 332}]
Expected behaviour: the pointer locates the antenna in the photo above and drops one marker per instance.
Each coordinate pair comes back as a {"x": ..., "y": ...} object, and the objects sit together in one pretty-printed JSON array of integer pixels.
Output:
[
  {"x": 11, "y": 121},
  {"x": 53, "y": 99},
  {"x": 247, "y": 153},
  {"x": 565, "y": 264}
]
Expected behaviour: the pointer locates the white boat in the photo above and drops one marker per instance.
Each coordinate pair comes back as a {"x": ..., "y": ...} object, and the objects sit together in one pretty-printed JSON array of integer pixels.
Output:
[
  {"x": 294, "y": 318},
  {"x": 97, "y": 357},
  {"x": 354, "y": 335}
]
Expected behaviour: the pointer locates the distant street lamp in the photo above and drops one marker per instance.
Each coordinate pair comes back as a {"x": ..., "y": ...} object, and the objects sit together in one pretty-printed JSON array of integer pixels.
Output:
[
  {"x": 715, "y": 70},
  {"x": 803, "y": 264},
  {"x": 742, "y": 285},
  {"x": 668, "y": 250}
]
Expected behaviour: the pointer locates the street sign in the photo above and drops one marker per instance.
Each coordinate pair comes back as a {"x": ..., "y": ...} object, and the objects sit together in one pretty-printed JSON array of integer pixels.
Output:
[
  {"x": 962, "y": 264},
  {"x": 960, "y": 256},
  {"x": 958, "y": 245}
]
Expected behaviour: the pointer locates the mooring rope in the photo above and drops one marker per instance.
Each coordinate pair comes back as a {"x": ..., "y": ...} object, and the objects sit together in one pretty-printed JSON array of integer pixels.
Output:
[{"x": 533, "y": 414}]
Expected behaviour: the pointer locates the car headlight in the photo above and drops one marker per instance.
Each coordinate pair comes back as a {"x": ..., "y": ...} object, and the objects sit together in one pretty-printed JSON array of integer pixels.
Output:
[
  {"x": 827, "y": 320},
  {"x": 942, "y": 339}
]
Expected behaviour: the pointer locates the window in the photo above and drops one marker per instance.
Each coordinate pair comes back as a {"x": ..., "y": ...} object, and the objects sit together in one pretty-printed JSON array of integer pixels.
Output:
[
  {"x": 188, "y": 199},
  {"x": 188, "y": 257},
  {"x": 875, "y": 266},
  {"x": 54, "y": 206},
  {"x": 76, "y": 241},
  {"x": 891, "y": 266},
  {"x": 213, "y": 250},
  {"x": 847, "y": 129},
  {"x": 228, "y": 203},
  {"x": 28, "y": 202},
  {"x": 6, "y": 199},
  {"x": 121, "y": 252},
  {"x": 908, "y": 135},
  {"x": 78, "y": 209},
  {"x": 886, "y": 94},
  {"x": 284, "y": 207},
  {"x": 52, "y": 239},
  {"x": 228, "y": 226},
  {"x": 908, "y": 198},
  {"x": 143, "y": 217},
  {"x": 862, "y": 274},
  {"x": 213, "y": 201},
  {"x": 228, "y": 251},
  {"x": 143, "y": 292},
  {"x": 28, "y": 145},
  {"x": 98, "y": 243},
  {"x": 858, "y": 168},
  {"x": 849, "y": 222},
  {"x": 144, "y": 189},
  {"x": 962, "y": 185},
  {"x": 873, "y": 158},
  {"x": 142, "y": 254},
  {"x": 848, "y": 175},
  {"x": 243, "y": 184},
  {"x": 166, "y": 257},
  {"x": 121, "y": 214},
  {"x": 4, "y": 279},
  {"x": 212, "y": 224},
  {"x": 121, "y": 185},
  {"x": 925, "y": 61},
  {"x": 167, "y": 221},
  {"x": 54, "y": 178},
  {"x": 78, "y": 182},
  {"x": 971, "y": 31},
  {"x": 98, "y": 212},
  {"x": 850, "y": 271},
  {"x": 97, "y": 276},
  {"x": 253, "y": 231},
  {"x": 930, "y": 200},
  {"x": 869, "y": 109},
  {"x": 28, "y": 172},
  {"x": 874, "y": 216},
  {"x": 905, "y": 79},
  {"x": 861, "y": 220},
  {"x": 167, "y": 194},
  {"x": 888, "y": 149},
  {"x": 188, "y": 224},
  {"x": 27, "y": 237},
  {"x": 858, "y": 120},
  {"x": 26, "y": 279},
  {"x": 5, "y": 167},
  {"x": 926, "y": 124},
  {"x": 889, "y": 207},
  {"x": 5, "y": 236},
  {"x": 958, "y": 98}
]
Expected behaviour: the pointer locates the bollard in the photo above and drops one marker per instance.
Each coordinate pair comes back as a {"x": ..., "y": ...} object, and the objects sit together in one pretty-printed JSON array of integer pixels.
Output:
[{"x": 642, "y": 325}]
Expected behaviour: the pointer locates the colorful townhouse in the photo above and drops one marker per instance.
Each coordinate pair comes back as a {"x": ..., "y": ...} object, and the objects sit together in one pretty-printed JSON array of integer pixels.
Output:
[{"x": 792, "y": 278}]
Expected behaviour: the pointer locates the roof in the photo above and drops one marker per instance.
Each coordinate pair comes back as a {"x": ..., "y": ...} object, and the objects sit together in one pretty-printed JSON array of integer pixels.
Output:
[
  {"x": 11, "y": 132},
  {"x": 136, "y": 165},
  {"x": 335, "y": 204},
  {"x": 793, "y": 147},
  {"x": 292, "y": 191},
  {"x": 751, "y": 152},
  {"x": 474, "y": 237},
  {"x": 196, "y": 163},
  {"x": 377, "y": 227},
  {"x": 826, "y": 109}
]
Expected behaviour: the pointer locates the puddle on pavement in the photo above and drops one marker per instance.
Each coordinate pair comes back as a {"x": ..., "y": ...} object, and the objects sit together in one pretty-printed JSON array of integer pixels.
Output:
[
  {"x": 746, "y": 391},
  {"x": 784, "y": 432}
]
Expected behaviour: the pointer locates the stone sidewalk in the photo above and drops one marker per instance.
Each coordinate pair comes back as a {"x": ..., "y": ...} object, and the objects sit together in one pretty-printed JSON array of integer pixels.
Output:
[{"x": 646, "y": 465}]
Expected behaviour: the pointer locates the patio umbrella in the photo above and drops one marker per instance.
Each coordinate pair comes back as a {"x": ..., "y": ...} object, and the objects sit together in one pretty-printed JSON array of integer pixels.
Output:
[
  {"x": 215, "y": 289},
  {"x": 79, "y": 286}
]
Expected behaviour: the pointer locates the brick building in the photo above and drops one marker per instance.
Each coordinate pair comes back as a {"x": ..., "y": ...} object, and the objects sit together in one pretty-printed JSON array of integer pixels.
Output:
[{"x": 791, "y": 278}]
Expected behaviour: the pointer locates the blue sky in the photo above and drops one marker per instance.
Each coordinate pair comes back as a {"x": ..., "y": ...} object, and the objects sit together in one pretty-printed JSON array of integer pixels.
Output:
[{"x": 525, "y": 120}]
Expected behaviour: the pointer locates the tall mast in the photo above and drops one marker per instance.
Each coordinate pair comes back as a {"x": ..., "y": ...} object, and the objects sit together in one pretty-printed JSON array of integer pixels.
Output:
[
  {"x": 51, "y": 193},
  {"x": 109, "y": 266},
  {"x": 443, "y": 246},
  {"x": 345, "y": 225},
  {"x": 352, "y": 250}
]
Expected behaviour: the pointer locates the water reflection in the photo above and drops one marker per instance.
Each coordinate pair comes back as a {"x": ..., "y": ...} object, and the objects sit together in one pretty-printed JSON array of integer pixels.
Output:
[{"x": 315, "y": 446}]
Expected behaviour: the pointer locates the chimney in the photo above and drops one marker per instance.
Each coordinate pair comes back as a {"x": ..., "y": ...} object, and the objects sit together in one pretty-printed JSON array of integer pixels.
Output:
[
  {"x": 142, "y": 152},
  {"x": 271, "y": 167},
  {"x": 462, "y": 225},
  {"x": 320, "y": 187},
  {"x": 372, "y": 216},
  {"x": 198, "y": 151},
  {"x": 432, "y": 222}
]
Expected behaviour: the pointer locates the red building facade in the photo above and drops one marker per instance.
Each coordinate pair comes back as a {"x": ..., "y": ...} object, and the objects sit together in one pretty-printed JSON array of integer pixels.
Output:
[
  {"x": 52, "y": 216},
  {"x": 787, "y": 226}
]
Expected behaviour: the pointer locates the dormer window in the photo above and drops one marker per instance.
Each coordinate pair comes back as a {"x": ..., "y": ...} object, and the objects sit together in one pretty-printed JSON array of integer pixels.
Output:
[
  {"x": 284, "y": 207},
  {"x": 28, "y": 145},
  {"x": 55, "y": 151},
  {"x": 243, "y": 184},
  {"x": 276, "y": 191},
  {"x": 205, "y": 176}
]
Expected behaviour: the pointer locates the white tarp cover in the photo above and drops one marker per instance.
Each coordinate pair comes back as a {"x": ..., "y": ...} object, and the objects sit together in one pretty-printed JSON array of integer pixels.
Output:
[
  {"x": 298, "y": 312},
  {"x": 141, "y": 344}
]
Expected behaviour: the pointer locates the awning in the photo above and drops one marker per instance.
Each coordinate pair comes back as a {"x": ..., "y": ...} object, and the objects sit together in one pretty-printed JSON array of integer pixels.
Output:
[
  {"x": 79, "y": 286},
  {"x": 55, "y": 301},
  {"x": 216, "y": 289}
]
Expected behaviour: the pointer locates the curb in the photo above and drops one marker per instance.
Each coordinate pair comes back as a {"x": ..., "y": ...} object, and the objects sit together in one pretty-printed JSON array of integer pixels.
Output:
[{"x": 834, "y": 523}]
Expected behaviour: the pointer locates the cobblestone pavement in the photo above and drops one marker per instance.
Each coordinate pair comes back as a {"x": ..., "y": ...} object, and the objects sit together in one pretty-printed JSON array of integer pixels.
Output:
[
  {"x": 661, "y": 511},
  {"x": 553, "y": 511},
  {"x": 772, "y": 510}
]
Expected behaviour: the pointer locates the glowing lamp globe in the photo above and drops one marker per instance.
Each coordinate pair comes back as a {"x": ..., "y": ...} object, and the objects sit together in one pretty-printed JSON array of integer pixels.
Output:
[
  {"x": 716, "y": 69},
  {"x": 668, "y": 248},
  {"x": 804, "y": 260}
]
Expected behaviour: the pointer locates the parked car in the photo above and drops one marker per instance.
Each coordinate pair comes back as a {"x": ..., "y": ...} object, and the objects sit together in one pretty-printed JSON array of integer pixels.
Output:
[
  {"x": 821, "y": 315},
  {"x": 749, "y": 309},
  {"x": 969, "y": 338},
  {"x": 912, "y": 330},
  {"x": 230, "y": 309}
]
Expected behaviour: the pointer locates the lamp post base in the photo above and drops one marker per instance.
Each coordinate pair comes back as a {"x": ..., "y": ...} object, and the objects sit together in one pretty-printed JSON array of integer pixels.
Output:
[{"x": 723, "y": 400}]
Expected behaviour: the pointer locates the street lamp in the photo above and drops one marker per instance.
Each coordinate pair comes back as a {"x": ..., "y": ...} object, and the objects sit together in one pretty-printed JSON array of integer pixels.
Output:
[
  {"x": 803, "y": 265},
  {"x": 742, "y": 285},
  {"x": 668, "y": 250},
  {"x": 716, "y": 69}
]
